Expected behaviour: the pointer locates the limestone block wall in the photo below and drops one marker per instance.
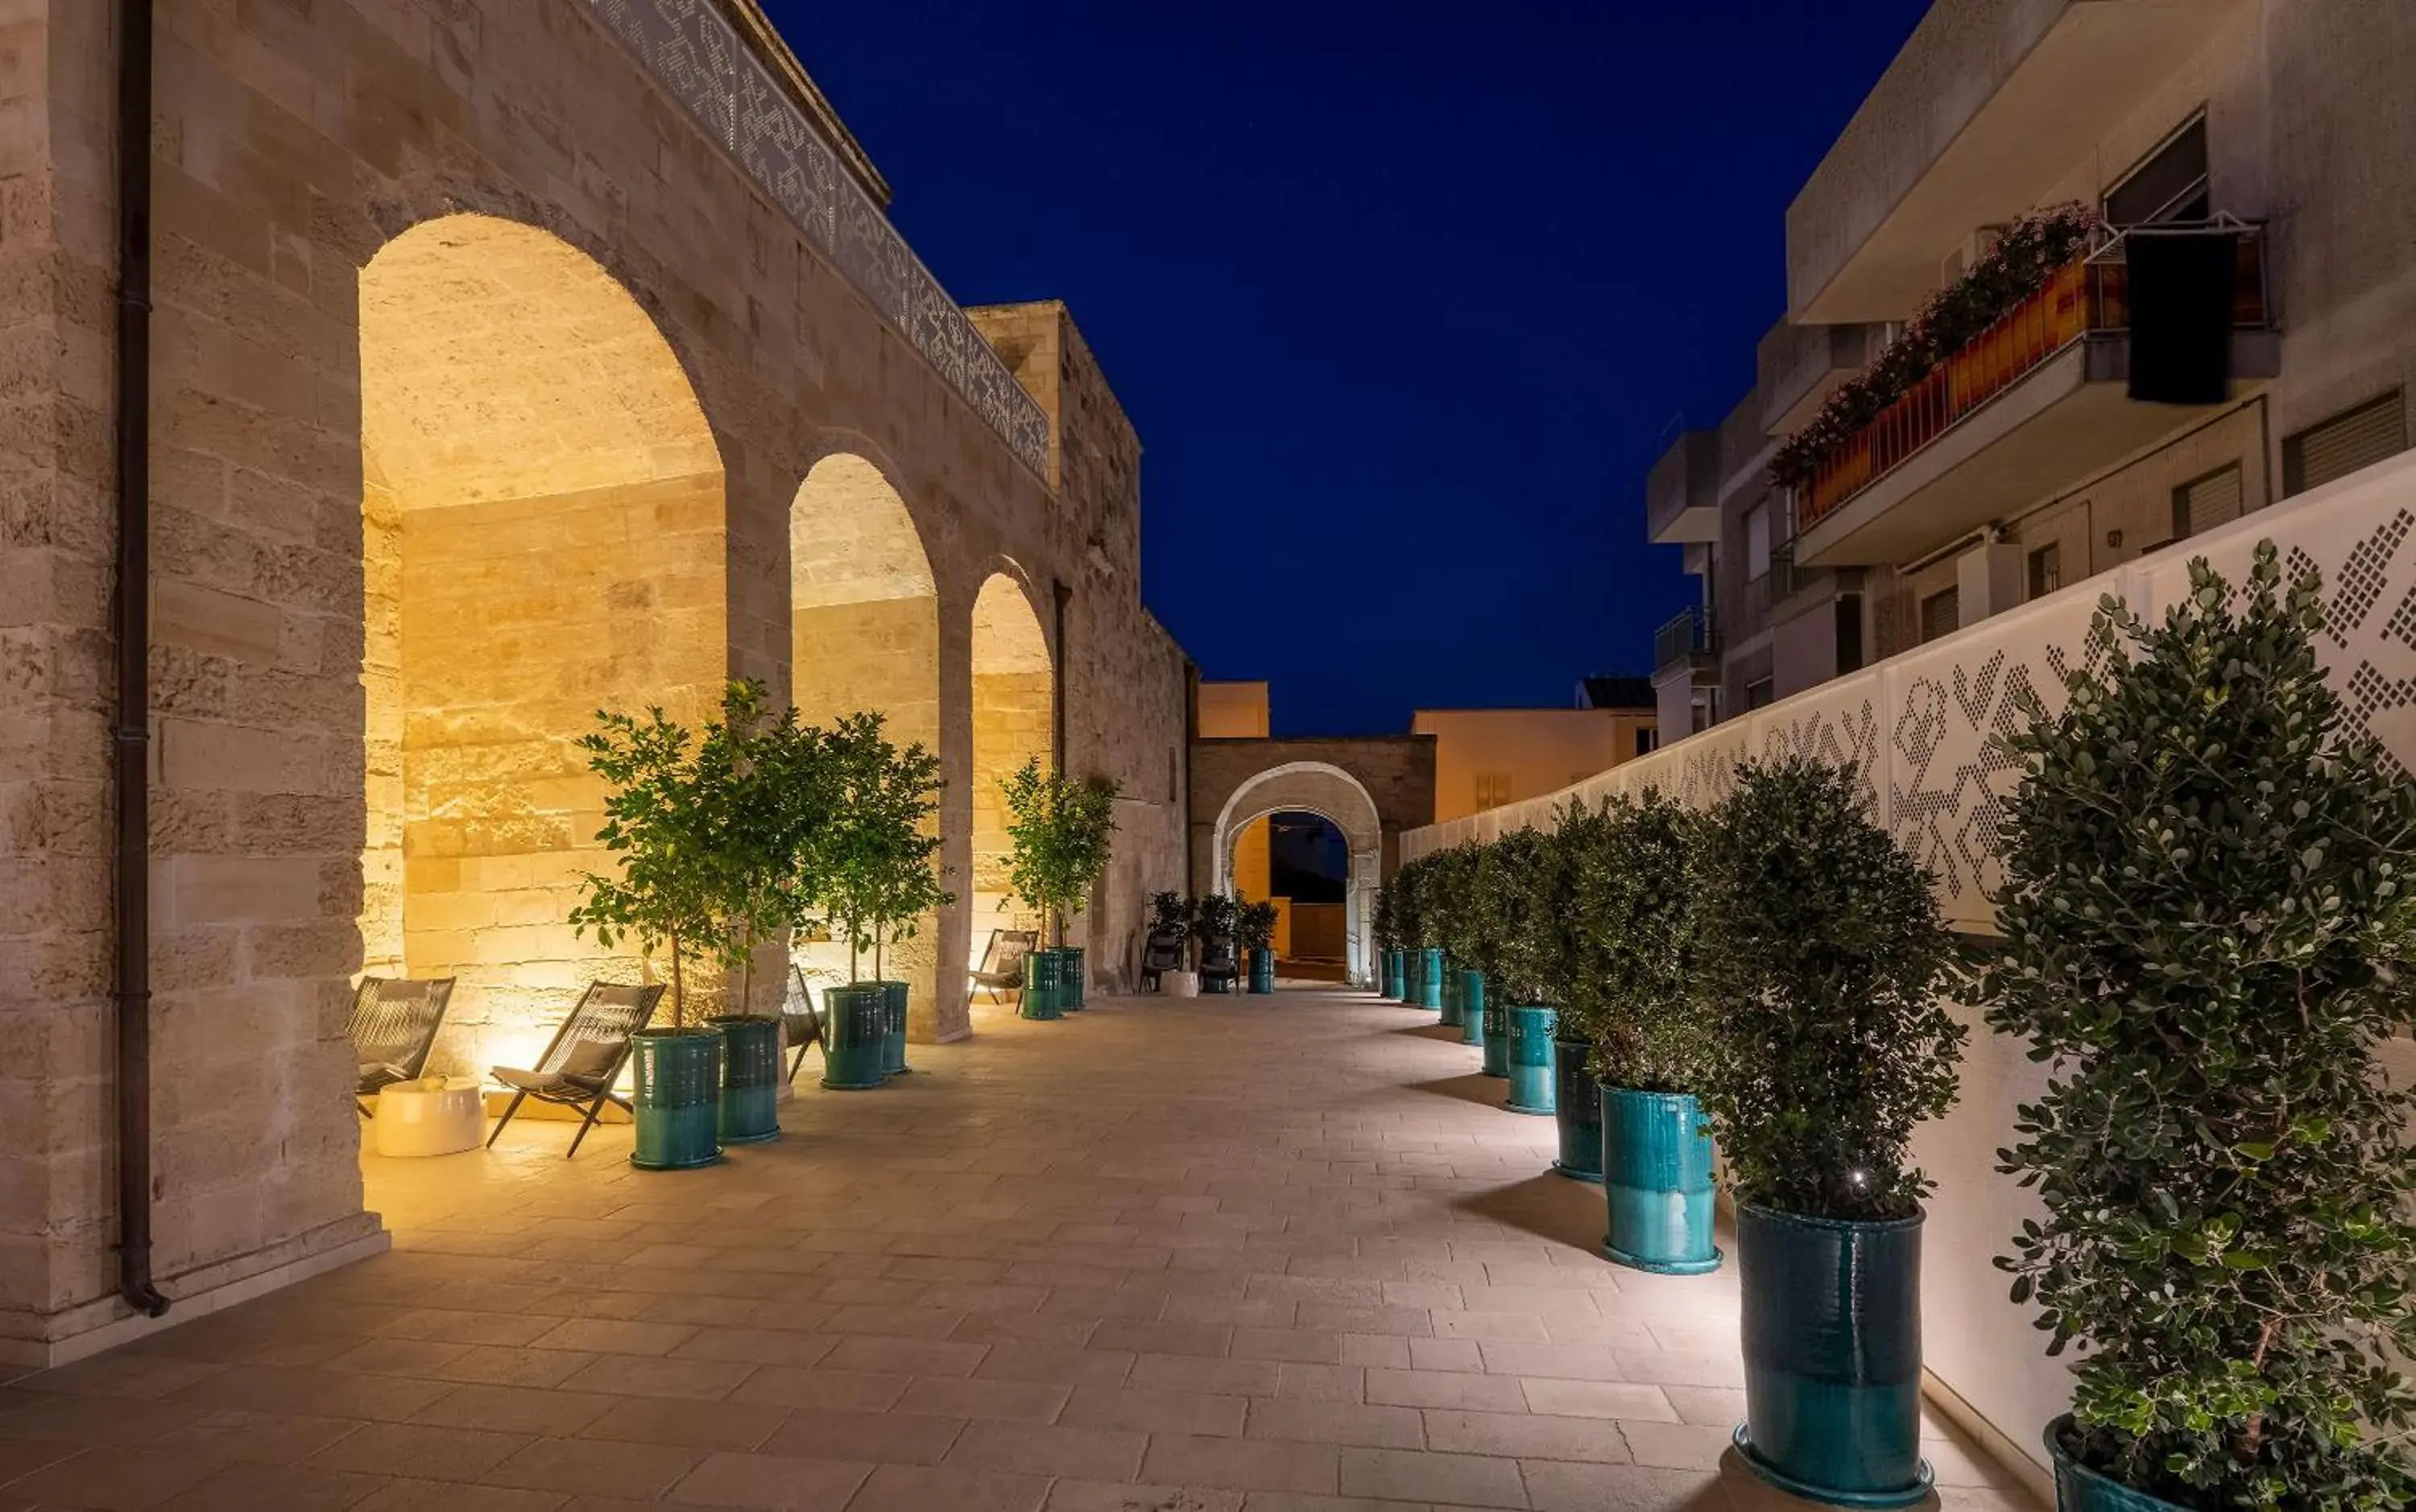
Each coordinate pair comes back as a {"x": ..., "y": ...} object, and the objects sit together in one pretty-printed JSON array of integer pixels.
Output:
[{"x": 300, "y": 155}]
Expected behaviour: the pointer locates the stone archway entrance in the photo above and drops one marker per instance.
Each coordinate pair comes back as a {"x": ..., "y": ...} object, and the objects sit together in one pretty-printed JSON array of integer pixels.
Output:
[
  {"x": 1370, "y": 789},
  {"x": 543, "y": 535},
  {"x": 1014, "y": 721}
]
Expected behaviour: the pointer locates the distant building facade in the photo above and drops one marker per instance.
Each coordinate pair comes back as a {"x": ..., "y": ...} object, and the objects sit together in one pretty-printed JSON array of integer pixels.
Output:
[{"x": 1486, "y": 757}]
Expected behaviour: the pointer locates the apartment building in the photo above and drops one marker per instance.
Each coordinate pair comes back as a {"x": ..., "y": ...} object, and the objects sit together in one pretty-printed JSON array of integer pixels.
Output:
[{"x": 2054, "y": 440}]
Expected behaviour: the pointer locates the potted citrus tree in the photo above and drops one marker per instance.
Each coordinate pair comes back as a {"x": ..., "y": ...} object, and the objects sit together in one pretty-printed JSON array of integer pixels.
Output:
[
  {"x": 1257, "y": 924},
  {"x": 1062, "y": 831},
  {"x": 906, "y": 883},
  {"x": 1631, "y": 983},
  {"x": 1821, "y": 950},
  {"x": 1518, "y": 880},
  {"x": 2206, "y": 925}
]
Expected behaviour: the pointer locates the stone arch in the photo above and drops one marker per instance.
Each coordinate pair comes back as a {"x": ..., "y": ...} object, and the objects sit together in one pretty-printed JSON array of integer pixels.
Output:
[
  {"x": 864, "y": 618},
  {"x": 1014, "y": 721},
  {"x": 1333, "y": 795},
  {"x": 544, "y": 533}
]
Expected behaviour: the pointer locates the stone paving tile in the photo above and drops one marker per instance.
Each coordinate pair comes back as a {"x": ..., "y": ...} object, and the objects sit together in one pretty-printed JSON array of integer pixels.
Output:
[{"x": 1225, "y": 1255}]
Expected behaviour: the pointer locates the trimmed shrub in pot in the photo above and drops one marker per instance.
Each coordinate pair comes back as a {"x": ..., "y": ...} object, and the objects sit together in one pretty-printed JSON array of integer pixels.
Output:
[
  {"x": 1063, "y": 830},
  {"x": 1220, "y": 929},
  {"x": 881, "y": 874},
  {"x": 1454, "y": 886},
  {"x": 1258, "y": 926},
  {"x": 1387, "y": 931},
  {"x": 1631, "y": 984},
  {"x": 2208, "y": 928},
  {"x": 1820, "y": 951},
  {"x": 1518, "y": 888}
]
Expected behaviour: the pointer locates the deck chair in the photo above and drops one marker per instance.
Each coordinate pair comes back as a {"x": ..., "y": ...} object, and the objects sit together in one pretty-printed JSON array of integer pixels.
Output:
[
  {"x": 394, "y": 1022},
  {"x": 1162, "y": 952},
  {"x": 1221, "y": 957},
  {"x": 1001, "y": 968},
  {"x": 799, "y": 1020},
  {"x": 584, "y": 1058}
]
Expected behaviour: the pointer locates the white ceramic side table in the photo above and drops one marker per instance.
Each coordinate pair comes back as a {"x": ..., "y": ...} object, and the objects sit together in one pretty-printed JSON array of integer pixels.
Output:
[{"x": 421, "y": 1118}]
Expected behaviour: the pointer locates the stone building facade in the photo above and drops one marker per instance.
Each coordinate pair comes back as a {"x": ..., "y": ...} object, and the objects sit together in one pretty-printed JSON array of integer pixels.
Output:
[{"x": 511, "y": 360}]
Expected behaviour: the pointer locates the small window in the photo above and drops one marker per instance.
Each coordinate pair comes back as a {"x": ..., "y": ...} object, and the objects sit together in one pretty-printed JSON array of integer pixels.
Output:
[
  {"x": 1757, "y": 542},
  {"x": 2170, "y": 184},
  {"x": 1941, "y": 614},
  {"x": 2210, "y": 501},
  {"x": 1492, "y": 790},
  {"x": 1760, "y": 692},
  {"x": 2046, "y": 569},
  {"x": 2345, "y": 443},
  {"x": 1648, "y": 739}
]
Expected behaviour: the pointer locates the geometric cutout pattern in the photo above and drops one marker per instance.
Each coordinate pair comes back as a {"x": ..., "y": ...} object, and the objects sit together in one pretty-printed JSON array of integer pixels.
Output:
[{"x": 694, "y": 52}]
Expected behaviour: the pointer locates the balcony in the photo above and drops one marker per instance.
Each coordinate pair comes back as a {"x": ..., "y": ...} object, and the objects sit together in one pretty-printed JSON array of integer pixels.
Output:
[
  {"x": 1684, "y": 640},
  {"x": 1989, "y": 107},
  {"x": 2036, "y": 401},
  {"x": 1682, "y": 498}
]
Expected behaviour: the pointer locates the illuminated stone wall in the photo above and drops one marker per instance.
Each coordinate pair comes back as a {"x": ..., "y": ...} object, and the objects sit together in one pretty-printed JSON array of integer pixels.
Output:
[{"x": 1013, "y": 721}]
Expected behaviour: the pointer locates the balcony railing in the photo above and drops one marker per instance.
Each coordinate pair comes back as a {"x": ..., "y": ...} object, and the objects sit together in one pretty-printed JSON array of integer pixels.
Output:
[
  {"x": 1685, "y": 635},
  {"x": 2087, "y": 297}
]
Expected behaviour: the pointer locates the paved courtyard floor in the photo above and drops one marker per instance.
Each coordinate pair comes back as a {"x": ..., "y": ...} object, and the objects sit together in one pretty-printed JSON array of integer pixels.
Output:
[{"x": 1222, "y": 1254}]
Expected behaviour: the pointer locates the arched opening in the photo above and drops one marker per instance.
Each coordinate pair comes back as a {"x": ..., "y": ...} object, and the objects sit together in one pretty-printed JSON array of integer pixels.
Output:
[
  {"x": 1015, "y": 699},
  {"x": 864, "y": 635},
  {"x": 1292, "y": 821},
  {"x": 543, "y": 535}
]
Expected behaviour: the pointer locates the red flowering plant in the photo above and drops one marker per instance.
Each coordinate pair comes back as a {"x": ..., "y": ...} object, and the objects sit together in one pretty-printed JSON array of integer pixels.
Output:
[{"x": 2026, "y": 256}]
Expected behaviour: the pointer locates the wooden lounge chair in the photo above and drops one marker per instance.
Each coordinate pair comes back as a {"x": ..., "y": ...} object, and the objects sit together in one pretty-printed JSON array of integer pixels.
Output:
[
  {"x": 1001, "y": 968},
  {"x": 584, "y": 1058},
  {"x": 1220, "y": 960},
  {"x": 1163, "y": 952},
  {"x": 394, "y": 1024},
  {"x": 799, "y": 1019}
]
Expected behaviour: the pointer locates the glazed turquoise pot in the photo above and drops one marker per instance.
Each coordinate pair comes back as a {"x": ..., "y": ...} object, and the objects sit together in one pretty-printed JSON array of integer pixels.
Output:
[
  {"x": 1471, "y": 1007},
  {"x": 1656, "y": 1163},
  {"x": 1430, "y": 978},
  {"x": 1262, "y": 970},
  {"x": 893, "y": 1028},
  {"x": 1495, "y": 1038},
  {"x": 751, "y": 1079},
  {"x": 679, "y": 1099},
  {"x": 1073, "y": 996},
  {"x": 1391, "y": 990},
  {"x": 2079, "y": 1488},
  {"x": 1531, "y": 1057},
  {"x": 1043, "y": 979},
  {"x": 855, "y": 1035},
  {"x": 1454, "y": 996},
  {"x": 1832, "y": 1322},
  {"x": 1577, "y": 1108}
]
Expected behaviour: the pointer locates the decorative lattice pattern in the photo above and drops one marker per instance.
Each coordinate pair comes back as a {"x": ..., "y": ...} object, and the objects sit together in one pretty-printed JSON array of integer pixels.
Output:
[{"x": 694, "y": 50}]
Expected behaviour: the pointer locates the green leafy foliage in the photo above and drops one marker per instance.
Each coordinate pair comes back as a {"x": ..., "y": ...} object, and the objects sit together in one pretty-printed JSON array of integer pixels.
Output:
[
  {"x": 2207, "y": 926},
  {"x": 1820, "y": 951},
  {"x": 1387, "y": 925},
  {"x": 710, "y": 829},
  {"x": 1409, "y": 903},
  {"x": 1628, "y": 983},
  {"x": 877, "y": 853},
  {"x": 1063, "y": 829},
  {"x": 1220, "y": 918},
  {"x": 1257, "y": 925},
  {"x": 1520, "y": 937},
  {"x": 1170, "y": 913}
]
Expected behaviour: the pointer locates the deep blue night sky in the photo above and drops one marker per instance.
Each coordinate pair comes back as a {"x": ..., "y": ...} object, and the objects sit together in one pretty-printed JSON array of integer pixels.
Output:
[{"x": 1403, "y": 297}]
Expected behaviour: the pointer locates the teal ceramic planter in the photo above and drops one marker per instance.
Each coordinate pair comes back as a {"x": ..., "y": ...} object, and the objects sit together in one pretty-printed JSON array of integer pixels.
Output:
[
  {"x": 1531, "y": 1059},
  {"x": 679, "y": 1099},
  {"x": 1262, "y": 970},
  {"x": 1390, "y": 975},
  {"x": 2079, "y": 1488},
  {"x": 1454, "y": 996},
  {"x": 1577, "y": 1108},
  {"x": 1471, "y": 1007},
  {"x": 751, "y": 1079},
  {"x": 1430, "y": 978},
  {"x": 893, "y": 1028},
  {"x": 1657, "y": 1164},
  {"x": 1043, "y": 979},
  {"x": 1073, "y": 994},
  {"x": 855, "y": 1035},
  {"x": 1495, "y": 1038},
  {"x": 1831, "y": 1323}
]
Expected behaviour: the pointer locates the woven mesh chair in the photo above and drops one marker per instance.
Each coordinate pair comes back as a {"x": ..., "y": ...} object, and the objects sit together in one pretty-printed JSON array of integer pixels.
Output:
[
  {"x": 1001, "y": 968},
  {"x": 799, "y": 1020},
  {"x": 1163, "y": 952},
  {"x": 584, "y": 1058},
  {"x": 393, "y": 1026}
]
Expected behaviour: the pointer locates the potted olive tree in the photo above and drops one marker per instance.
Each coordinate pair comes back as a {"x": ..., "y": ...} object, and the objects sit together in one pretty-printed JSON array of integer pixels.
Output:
[
  {"x": 688, "y": 822},
  {"x": 1820, "y": 951},
  {"x": 1520, "y": 880},
  {"x": 1257, "y": 923},
  {"x": 1631, "y": 966},
  {"x": 2207, "y": 932},
  {"x": 1063, "y": 830}
]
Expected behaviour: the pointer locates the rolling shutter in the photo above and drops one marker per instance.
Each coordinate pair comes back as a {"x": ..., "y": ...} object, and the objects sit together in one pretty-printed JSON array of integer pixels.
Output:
[
  {"x": 2342, "y": 445},
  {"x": 2211, "y": 501},
  {"x": 1941, "y": 614}
]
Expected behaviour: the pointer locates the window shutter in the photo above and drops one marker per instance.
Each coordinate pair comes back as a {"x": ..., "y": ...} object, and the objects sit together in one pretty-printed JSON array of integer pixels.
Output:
[
  {"x": 2342, "y": 445},
  {"x": 2211, "y": 501},
  {"x": 1941, "y": 614}
]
